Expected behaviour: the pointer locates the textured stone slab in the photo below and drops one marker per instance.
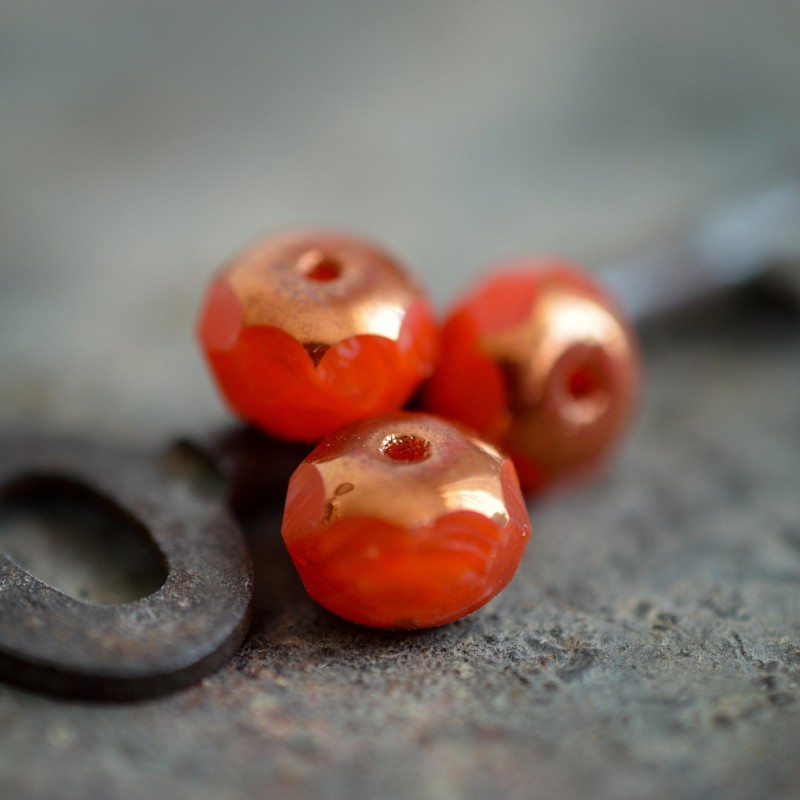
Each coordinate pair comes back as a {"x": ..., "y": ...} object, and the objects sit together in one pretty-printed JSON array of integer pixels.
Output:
[{"x": 650, "y": 646}]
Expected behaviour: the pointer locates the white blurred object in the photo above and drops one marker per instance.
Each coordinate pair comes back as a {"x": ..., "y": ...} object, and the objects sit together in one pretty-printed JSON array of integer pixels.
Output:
[{"x": 742, "y": 242}]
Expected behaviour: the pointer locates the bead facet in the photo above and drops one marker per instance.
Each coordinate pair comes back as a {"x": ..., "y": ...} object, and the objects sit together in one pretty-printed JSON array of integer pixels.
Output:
[
  {"x": 309, "y": 331},
  {"x": 405, "y": 521},
  {"x": 538, "y": 360}
]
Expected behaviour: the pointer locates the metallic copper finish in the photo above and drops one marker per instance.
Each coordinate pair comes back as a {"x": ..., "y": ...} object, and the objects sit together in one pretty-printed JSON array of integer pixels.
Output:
[
  {"x": 572, "y": 376},
  {"x": 321, "y": 288},
  {"x": 454, "y": 471},
  {"x": 310, "y": 331},
  {"x": 405, "y": 521}
]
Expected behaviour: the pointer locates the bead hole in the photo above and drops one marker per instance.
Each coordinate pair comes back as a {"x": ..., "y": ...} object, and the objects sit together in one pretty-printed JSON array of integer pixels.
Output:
[
  {"x": 317, "y": 266},
  {"x": 581, "y": 383},
  {"x": 586, "y": 387},
  {"x": 407, "y": 448}
]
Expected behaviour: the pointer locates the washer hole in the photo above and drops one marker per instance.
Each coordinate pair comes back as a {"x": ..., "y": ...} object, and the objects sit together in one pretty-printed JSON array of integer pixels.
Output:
[{"x": 78, "y": 541}]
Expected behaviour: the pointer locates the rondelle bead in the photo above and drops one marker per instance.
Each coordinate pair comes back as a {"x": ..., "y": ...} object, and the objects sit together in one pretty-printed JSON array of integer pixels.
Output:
[
  {"x": 539, "y": 361},
  {"x": 405, "y": 521},
  {"x": 309, "y": 331}
]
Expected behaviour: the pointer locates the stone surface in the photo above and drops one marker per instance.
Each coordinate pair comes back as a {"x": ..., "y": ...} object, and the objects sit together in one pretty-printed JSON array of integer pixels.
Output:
[{"x": 650, "y": 645}]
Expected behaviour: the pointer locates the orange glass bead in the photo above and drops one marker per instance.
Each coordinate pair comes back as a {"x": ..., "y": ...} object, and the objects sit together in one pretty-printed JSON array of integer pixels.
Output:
[
  {"x": 539, "y": 361},
  {"x": 309, "y": 331},
  {"x": 405, "y": 521}
]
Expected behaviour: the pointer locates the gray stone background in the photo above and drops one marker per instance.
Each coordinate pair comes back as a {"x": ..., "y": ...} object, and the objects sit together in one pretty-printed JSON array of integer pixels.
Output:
[{"x": 650, "y": 646}]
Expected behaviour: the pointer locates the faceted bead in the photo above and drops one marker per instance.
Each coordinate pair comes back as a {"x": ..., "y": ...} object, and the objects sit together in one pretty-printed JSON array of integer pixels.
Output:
[
  {"x": 539, "y": 361},
  {"x": 309, "y": 331},
  {"x": 405, "y": 521}
]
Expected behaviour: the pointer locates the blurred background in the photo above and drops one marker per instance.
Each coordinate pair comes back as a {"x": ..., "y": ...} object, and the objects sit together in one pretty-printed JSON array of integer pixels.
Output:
[
  {"x": 650, "y": 646},
  {"x": 141, "y": 143}
]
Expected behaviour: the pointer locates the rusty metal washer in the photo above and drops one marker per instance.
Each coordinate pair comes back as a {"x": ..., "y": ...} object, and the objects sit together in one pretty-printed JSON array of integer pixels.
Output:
[{"x": 182, "y": 632}]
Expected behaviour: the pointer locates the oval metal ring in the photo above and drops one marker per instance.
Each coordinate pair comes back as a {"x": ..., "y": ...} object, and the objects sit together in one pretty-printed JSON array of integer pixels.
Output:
[{"x": 185, "y": 630}]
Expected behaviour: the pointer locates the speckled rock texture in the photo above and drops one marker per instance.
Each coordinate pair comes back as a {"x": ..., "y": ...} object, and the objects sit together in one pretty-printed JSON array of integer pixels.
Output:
[{"x": 650, "y": 645}]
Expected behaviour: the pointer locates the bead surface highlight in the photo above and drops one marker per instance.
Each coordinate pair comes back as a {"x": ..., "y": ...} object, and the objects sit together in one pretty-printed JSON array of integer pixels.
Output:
[
  {"x": 538, "y": 360},
  {"x": 405, "y": 521},
  {"x": 307, "y": 332}
]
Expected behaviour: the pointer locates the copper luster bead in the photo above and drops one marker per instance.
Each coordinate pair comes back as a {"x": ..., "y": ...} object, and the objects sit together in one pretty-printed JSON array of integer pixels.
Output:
[
  {"x": 308, "y": 331},
  {"x": 538, "y": 359},
  {"x": 405, "y": 521}
]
